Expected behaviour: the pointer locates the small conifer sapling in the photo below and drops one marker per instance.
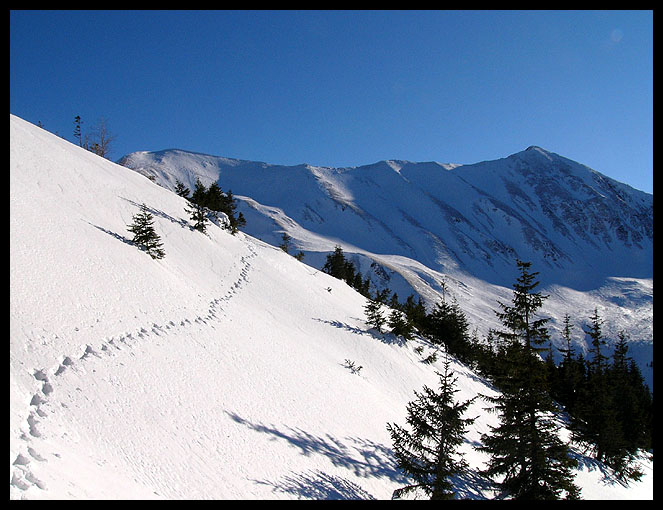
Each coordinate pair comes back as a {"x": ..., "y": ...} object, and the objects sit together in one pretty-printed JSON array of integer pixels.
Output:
[{"x": 145, "y": 237}]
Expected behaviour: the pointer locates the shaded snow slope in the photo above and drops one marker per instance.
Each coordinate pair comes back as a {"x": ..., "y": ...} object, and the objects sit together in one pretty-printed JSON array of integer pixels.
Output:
[
  {"x": 455, "y": 230},
  {"x": 215, "y": 372}
]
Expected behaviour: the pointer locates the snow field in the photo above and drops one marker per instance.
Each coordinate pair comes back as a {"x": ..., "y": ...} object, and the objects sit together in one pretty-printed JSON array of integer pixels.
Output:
[{"x": 214, "y": 373}]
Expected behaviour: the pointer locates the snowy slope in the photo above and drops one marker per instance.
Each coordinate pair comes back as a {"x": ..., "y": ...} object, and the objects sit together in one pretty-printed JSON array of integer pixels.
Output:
[
  {"x": 216, "y": 372},
  {"x": 437, "y": 229}
]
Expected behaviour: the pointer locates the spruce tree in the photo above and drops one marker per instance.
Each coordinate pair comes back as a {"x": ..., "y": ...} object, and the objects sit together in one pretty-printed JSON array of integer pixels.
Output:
[
  {"x": 374, "y": 317},
  {"x": 335, "y": 264},
  {"x": 349, "y": 273},
  {"x": 358, "y": 283},
  {"x": 567, "y": 353},
  {"x": 339, "y": 267},
  {"x": 632, "y": 411},
  {"x": 77, "y": 130},
  {"x": 525, "y": 449},
  {"x": 639, "y": 433},
  {"x": 595, "y": 421},
  {"x": 285, "y": 242},
  {"x": 198, "y": 215},
  {"x": 570, "y": 371},
  {"x": 241, "y": 222},
  {"x": 181, "y": 189},
  {"x": 199, "y": 195},
  {"x": 145, "y": 236},
  {"x": 594, "y": 331},
  {"x": 415, "y": 312},
  {"x": 399, "y": 324},
  {"x": 429, "y": 451},
  {"x": 214, "y": 198},
  {"x": 448, "y": 325}
]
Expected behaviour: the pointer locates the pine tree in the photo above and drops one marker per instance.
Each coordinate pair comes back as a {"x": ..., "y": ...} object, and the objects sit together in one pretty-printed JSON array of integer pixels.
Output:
[
  {"x": 595, "y": 422},
  {"x": 77, "y": 130},
  {"x": 181, "y": 189},
  {"x": 641, "y": 422},
  {"x": 335, "y": 265},
  {"x": 448, "y": 325},
  {"x": 144, "y": 234},
  {"x": 230, "y": 205},
  {"x": 382, "y": 295},
  {"x": 374, "y": 317},
  {"x": 358, "y": 283},
  {"x": 399, "y": 324},
  {"x": 567, "y": 352},
  {"x": 393, "y": 302},
  {"x": 285, "y": 242},
  {"x": 214, "y": 198},
  {"x": 429, "y": 451},
  {"x": 197, "y": 207},
  {"x": 525, "y": 447},
  {"x": 349, "y": 273},
  {"x": 339, "y": 267},
  {"x": 632, "y": 411},
  {"x": 415, "y": 312},
  {"x": 198, "y": 215},
  {"x": 594, "y": 331},
  {"x": 241, "y": 222},
  {"x": 199, "y": 195},
  {"x": 570, "y": 372}
]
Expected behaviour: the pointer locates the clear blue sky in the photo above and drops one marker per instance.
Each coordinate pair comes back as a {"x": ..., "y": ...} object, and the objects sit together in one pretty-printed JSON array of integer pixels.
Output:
[{"x": 347, "y": 88}]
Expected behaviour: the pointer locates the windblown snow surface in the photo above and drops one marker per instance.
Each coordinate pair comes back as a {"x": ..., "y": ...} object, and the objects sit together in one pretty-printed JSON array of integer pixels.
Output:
[{"x": 217, "y": 372}]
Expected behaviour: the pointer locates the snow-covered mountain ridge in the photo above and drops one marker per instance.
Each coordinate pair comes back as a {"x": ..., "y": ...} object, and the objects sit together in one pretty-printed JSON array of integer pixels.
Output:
[
  {"x": 534, "y": 204},
  {"x": 437, "y": 229},
  {"x": 216, "y": 372}
]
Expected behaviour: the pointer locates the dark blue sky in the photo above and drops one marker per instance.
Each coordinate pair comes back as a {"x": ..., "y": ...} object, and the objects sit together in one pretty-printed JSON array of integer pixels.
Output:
[{"x": 346, "y": 88}]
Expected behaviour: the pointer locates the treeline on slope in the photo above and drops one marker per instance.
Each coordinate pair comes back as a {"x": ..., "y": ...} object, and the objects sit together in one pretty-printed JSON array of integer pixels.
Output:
[
  {"x": 206, "y": 202},
  {"x": 609, "y": 405},
  {"x": 404, "y": 316}
]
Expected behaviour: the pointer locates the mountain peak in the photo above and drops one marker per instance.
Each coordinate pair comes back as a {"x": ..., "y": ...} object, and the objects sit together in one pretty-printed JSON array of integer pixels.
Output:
[{"x": 536, "y": 150}]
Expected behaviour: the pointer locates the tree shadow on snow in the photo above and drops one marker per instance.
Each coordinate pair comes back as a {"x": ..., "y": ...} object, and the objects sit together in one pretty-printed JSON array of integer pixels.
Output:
[
  {"x": 156, "y": 212},
  {"x": 362, "y": 457},
  {"x": 113, "y": 234},
  {"x": 387, "y": 338},
  {"x": 472, "y": 485},
  {"x": 591, "y": 464},
  {"x": 318, "y": 485}
]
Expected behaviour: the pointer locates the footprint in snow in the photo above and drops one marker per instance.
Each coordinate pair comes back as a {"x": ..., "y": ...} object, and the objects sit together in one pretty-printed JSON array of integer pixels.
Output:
[
  {"x": 21, "y": 460},
  {"x": 36, "y": 400},
  {"x": 66, "y": 362},
  {"x": 32, "y": 424},
  {"x": 89, "y": 351},
  {"x": 35, "y": 455},
  {"x": 40, "y": 375}
]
